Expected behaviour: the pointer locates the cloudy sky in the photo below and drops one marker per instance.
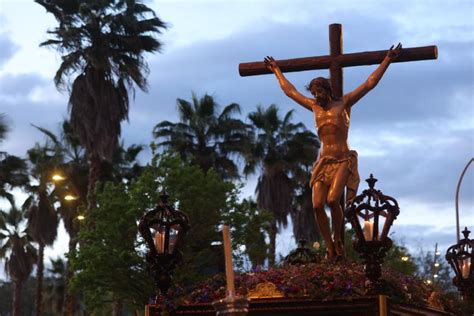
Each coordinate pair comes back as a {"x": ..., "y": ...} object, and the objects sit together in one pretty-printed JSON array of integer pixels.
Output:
[{"x": 415, "y": 131}]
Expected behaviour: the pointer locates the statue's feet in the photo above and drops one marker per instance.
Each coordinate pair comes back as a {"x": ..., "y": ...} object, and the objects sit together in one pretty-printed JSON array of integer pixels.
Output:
[
  {"x": 339, "y": 247},
  {"x": 330, "y": 252}
]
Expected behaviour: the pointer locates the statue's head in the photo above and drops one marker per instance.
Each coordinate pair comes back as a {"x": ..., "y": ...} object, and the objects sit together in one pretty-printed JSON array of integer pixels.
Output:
[{"x": 320, "y": 88}]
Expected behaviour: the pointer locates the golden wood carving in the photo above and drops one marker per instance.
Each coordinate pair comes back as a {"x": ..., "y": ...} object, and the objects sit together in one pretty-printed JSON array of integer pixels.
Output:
[{"x": 264, "y": 290}]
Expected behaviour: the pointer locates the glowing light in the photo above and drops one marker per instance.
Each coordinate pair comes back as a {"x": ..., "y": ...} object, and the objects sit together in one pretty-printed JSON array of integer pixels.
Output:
[
  {"x": 405, "y": 258},
  {"x": 436, "y": 264},
  {"x": 435, "y": 276},
  {"x": 70, "y": 197},
  {"x": 57, "y": 177},
  {"x": 428, "y": 281},
  {"x": 437, "y": 253},
  {"x": 81, "y": 217}
]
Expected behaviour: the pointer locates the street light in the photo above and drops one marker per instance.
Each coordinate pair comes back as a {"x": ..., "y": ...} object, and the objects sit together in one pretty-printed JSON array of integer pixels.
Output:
[
  {"x": 458, "y": 235},
  {"x": 70, "y": 197},
  {"x": 162, "y": 228},
  {"x": 57, "y": 177},
  {"x": 460, "y": 257},
  {"x": 371, "y": 215}
]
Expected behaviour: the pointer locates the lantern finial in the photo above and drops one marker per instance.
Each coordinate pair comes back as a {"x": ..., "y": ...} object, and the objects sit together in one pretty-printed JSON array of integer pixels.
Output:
[
  {"x": 164, "y": 197},
  {"x": 371, "y": 181},
  {"x": 466, "y": 232}
]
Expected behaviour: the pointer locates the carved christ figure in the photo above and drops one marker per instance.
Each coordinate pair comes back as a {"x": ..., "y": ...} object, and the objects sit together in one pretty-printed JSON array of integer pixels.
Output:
[{"x": 336, "y": 167}]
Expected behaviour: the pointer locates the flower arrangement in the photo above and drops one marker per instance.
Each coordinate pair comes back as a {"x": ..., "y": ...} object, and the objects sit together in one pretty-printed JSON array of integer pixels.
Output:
[{"x": 318, "y": 281}]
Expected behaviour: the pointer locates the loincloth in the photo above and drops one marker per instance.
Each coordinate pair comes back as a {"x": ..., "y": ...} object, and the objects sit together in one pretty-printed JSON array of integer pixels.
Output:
[{"x": 326, "y": 167}]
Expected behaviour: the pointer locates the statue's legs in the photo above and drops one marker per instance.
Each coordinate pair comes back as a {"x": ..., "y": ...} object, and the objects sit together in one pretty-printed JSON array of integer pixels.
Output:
[
  {"x": 334, "y": 201},
  {"x": 320, "y": 191}
]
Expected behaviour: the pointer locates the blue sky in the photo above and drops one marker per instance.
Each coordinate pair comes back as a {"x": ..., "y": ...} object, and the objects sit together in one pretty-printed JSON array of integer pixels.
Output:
[{"x": 414, "y": 131}]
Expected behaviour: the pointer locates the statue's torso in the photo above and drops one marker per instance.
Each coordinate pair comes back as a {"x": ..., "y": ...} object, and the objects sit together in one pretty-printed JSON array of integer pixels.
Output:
[{"x": 333, "y": 127}]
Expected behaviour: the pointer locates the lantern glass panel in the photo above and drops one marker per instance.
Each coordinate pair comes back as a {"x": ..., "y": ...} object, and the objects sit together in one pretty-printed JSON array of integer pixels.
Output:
[
  {"x": 466, "y": 268},
  {"x": 371, "y": 224},
  {"x": 175, "y": 234},
  {"x": 158, "y": 233},
  {"x": 366, "y": 222},
  {"x": 367, "y": 225}
]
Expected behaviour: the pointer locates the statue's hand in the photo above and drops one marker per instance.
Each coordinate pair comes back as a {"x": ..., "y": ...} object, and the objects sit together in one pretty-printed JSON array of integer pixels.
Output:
[
  {"x": 393, "y": 53},
  {"x": 270, "y": 63}
]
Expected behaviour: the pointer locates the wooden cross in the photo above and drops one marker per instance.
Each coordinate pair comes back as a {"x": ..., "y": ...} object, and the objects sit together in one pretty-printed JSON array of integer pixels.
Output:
[{"x": 337, "y": 60}]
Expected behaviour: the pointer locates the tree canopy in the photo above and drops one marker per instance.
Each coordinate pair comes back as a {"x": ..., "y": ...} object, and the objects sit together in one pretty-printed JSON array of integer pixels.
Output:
[{"x": 206, "y": 137}]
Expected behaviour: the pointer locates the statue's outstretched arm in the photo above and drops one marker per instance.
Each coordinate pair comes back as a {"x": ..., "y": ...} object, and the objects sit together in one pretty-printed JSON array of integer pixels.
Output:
[
  {"x": 352, "y": 97},
  {"x": 287, "y": 86}
]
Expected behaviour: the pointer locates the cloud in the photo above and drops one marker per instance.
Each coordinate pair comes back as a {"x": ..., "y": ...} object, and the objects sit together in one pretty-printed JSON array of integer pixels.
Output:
[
  {"x": 19, "y": 86},
  {"x": 29, "y": 99},
  {"x": 423, "y": 238},
  {"x": 7, "y": 49}
]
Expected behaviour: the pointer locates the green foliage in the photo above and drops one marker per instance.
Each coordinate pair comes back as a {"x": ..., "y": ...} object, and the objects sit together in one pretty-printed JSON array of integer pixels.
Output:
[
  {"x": 252, "y": 224},
  {"x": 208, "y": 201},
  {"x": 396, "y": 259},
  {"x": 107, "y": 266},
  {"x": 399, "y": 259},
  {"x": 110, "y": 264},
  {"x": 431, "y": 264}
]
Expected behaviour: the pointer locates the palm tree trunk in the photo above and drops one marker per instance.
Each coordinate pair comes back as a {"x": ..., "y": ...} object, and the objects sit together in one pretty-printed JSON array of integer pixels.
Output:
[
  {"x": 69, "y": 299},
  {"x": 272, "y": 250},
  {"x": 94, "y": 173},
  {"x": 39, "y": 280},
  {"x": 16, "y": 306}
]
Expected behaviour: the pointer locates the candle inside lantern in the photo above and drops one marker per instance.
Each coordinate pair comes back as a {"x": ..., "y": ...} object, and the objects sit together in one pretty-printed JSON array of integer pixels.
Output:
[
  {"x": 466, "y": 268},
  {"x": 229, "y": 268},
  {"x": 368, "y": 230},
  {"x": 160, "y": 242}
]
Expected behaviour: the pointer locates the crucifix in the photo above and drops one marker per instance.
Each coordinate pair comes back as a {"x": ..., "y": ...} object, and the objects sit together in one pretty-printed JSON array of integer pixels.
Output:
[{"x": 336, "y": 168}]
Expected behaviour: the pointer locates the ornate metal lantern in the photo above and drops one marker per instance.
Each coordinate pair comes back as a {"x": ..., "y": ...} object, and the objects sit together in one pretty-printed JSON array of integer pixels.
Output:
[
  {"x": 371, "y": 215},
  {"x": 460, "y": 257},
  {"x": 162, "y": 228}
]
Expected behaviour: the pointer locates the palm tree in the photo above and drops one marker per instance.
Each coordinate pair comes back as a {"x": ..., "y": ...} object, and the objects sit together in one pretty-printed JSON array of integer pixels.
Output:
[
  {"x": 18, "y": 252},
  {"x": 56, "y": 287},
  {"x": 125, "y": 165},
  {"x": 302, "y": 215},
  {"x": 42, "y": 216},
  {"x": 72, "y": 163},
  {"x": 103, "y": 43},
  {"x": 12, "y": 169},
  {"x": 12, "y": 174},
  {"x": 206, "y": 137},
  {"x": 3, "y": 127},
  {"x": 281, "y": 150}
]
